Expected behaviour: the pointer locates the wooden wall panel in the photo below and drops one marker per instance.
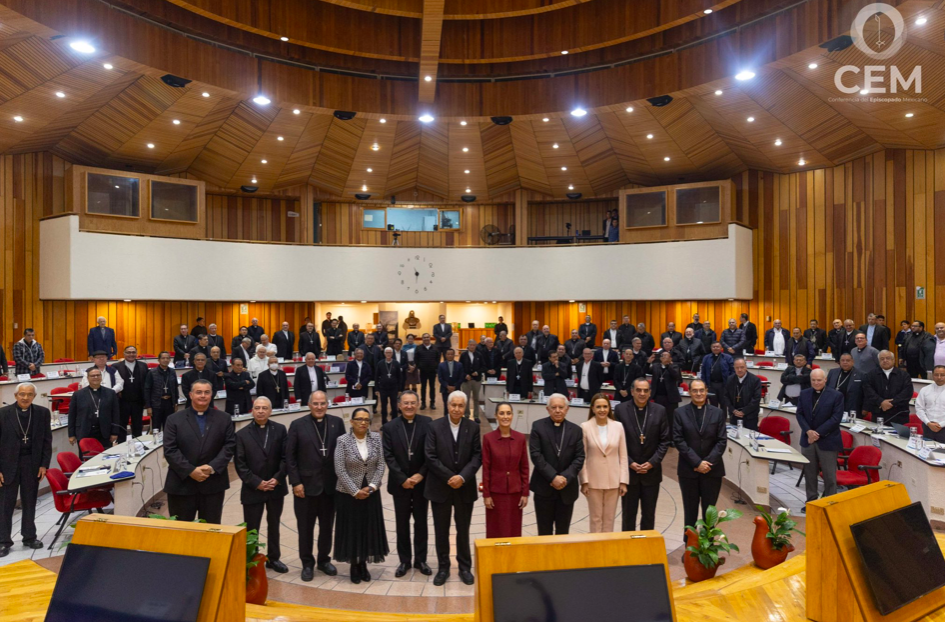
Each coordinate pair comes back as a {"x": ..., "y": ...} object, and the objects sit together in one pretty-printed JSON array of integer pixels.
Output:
[
  {"x": 255, "y": 219},
  {"x": 550, "y": 218}
]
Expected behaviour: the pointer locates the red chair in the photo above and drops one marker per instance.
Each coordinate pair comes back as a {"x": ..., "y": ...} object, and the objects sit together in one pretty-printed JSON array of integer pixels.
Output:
[
  {"x": 37, "y": 375},
  {"x": 759, "y": 352},
  {"x": 147, "y": 356},
  {"x": 915, "y": 423},
  {"x": 862, "y": 467},
  {"x": 765, "y": 364},
  {"x": 64, "y": 361},
  {"x": 61, "y": 404},
  {"x": 289, "y": 369},
  {"x": 73, "y": 387},
  {"x": 684, "y": 386},
  {"x": 778, "y": 428},
  {"x": 764, "y": 386},
  {"x": 67, "y": 503},
  {"x": 68, "y": 462},
  {"x": 3, "y": 378},
  {"x": 844, "y": 456},
  {"x": 152, "y": 365},
  {"x": 502, "y": 378},
  {"x": 89, "y": 447},
  {"x": 342, "y": 381},
  {"x": 814, "y": 366},
  {"x": 339, "y": 399}
]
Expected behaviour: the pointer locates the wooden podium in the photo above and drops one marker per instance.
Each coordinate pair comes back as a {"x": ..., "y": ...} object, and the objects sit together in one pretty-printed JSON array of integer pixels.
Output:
[
  {"x": 536, "y": 553},
  {"x": 224, "y": 594},
  {"x": 837, "y": 587}
]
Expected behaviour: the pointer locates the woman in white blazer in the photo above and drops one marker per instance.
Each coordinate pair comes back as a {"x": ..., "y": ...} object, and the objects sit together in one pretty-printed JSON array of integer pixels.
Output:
[{"x": 606, "y": 471}]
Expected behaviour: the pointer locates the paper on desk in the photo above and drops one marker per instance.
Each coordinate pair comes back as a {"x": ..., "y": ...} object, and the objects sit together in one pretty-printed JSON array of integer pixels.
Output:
[{"x": 777, "y": 450}]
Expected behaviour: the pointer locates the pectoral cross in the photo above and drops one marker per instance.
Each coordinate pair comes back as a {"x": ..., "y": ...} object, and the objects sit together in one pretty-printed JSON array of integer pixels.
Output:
[
  {"x": 409, "y": 454},
  {"x": 324, "y": 451},
  {"x": 642, "y": 438}
]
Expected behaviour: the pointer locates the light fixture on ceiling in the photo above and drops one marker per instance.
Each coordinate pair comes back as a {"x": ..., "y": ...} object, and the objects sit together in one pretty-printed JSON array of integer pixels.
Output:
[
  {"x": 375, "y": 147},
  {"x": 578, "y": 112},
  {"x": 252, "y": 302},
  {"x": 812, "y": 66},
  {"x": 370, "y": 170},
  {"x": 751, "y": 119},
  {"x": 909, "y": 115},
  {"x": 801, "y": 162},
  {"x": 205, "y": 94},
  {"x": 264, "y": 161},
  {"x": 262, "y": 100},
  {"x": 465, "y": 149},
  {"x": 426, "y": 117},
  {"x": 150, "y": 145},
  {"x": 176, "y": 121},
  {"x": 364, "y": 188},
  {"x": 921, "y": 21},
  {"x": 280, "y": 138},
  {"x": 80, "y": 45},
  {"x": 428, "y": 78},
  {"x": 745, "y": 74},
  {"x": 708, "y": 12},
  {"x": 564, "y": 168},
  {"x": 117, "y": 187},
  {"x": 127, "y": 299},
  {"x": 571, "y": 302},
  {"x": 564, "y": 51},
  {"x": 108, "y": 66},
  {"x": 554, "y": 146},
  {"x": 545, "y": 120},
  {"x": 60, "y": 94},
  {"x": 570, "y": 186},
  {"x": 253, "y": 180},
  {"x": 665, "y": 158},
  {"x": 650, "y": 136},
  {"x": 296, "y": 111},
  {"x": 462, "y": 123},
  {"x": 468, "y": 190},
  {"x": 383, "y": 120},
  {"x": 718, "y": 91},
  {"x": 283, "y": 38},
  {"x": 466, "y": 171},
  {"x": 364, "y": 302},
  {"x": 629, "y": 108},
  {"x": 864, "y": 91},
  {"x": 777, "y": 142}
]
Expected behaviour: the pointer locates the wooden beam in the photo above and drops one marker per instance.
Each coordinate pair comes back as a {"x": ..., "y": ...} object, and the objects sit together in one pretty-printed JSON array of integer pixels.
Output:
[{"x": 430, "y": 33}]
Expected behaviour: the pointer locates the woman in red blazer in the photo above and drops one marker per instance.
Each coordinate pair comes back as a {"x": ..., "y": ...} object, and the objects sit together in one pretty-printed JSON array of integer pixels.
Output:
[{"x": 504, "y": 476}]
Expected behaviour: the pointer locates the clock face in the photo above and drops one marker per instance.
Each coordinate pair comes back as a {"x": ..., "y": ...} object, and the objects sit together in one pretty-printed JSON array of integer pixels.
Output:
[{"x": 416, "y": 274}]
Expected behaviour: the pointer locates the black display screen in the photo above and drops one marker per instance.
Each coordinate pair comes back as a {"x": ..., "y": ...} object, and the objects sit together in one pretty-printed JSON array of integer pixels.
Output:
[
  {"x": 101, "y": 584},
  {"x": 608, "y": 594},
  {"x": 901, "y": 557}
]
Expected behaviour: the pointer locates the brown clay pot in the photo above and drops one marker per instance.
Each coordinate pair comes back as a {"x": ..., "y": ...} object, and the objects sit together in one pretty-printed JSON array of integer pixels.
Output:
[
  {"x": 695, "y": 571},
  {"x": 762, "y": 552},
  {"x": 257, "y": 585}
]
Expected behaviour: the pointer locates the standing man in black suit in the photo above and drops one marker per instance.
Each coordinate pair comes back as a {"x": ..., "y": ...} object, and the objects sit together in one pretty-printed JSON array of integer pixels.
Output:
[
  {"x": 310, "y": 462},
  {"x": 608, "y": 359},
  {"x": 199, "y": 442},
  {"x": 255, "y": 331},
  {"x": 183, "y": 344},
  {"x": 547, "y": 343},
  {"x": 443, "y": 337},
  {"x": 556, "y": 447},
  {"x": 590, "y": 375},
  {"x": 647, "y": 430},
  {"x": 647, "y": 342},
  {"x": 201, "y": 347},
  {"x": 309, "y": 378},
  {"x": 849, "y": 382},
  {"x": 101, "y": 337},
  {"x": 274, "y": 384},
  {"x": 612, "y": 334},
  {"x": 817, "y": 336},
  {"x": 700, "y": 437},
  {"x": 260, "y": 464},
  {"x": 25, "y": 452},
  {"x": 574, "y": 348},
  {"x": 689, "y": 351},
  {"x": 355, "y": 338},
  {"x": 751, "y": 333},
  {"x": 887, "y": 391},
  {"x": 238, "y": 339},
  {"x": 326, "y": 324},
  {"x": 819, "y": 412},
  {"x": 404, "y": 439},
  {"x": 628, "y": 371},
  {"x": 588, "y": 331},
  {"x": 453, "y": 456},
  {"x": 518, "y": 374},
  {"x": 387, "y": 381},
  {"x": 877, "y": 335},
  {"x": 741, "y": 396},
  {"x": 215, "y": 340},
  {"x": 200, "y": 371},
  {"x": 500, "y": 326},
  {"x": 666, "y": 380},
  {"x": 243, "y": 350},
  {"x": 132, "y": 399},
  {"x": 285, "y": 342},
  {"x": 94, "y": 412},
  {"x": 450, "y": 375},
  {"x": 426, "y": 357},
  {"x": 625, "y": 334},
  {"x": 672, "y": 334},
  {"x": 357, "y": 375},
  {"x": 310, "y": 341},
  {"x": 160, "y": 391}
]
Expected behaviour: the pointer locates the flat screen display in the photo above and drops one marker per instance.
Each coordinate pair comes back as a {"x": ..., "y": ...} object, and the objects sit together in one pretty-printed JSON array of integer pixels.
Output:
[
  {"x": 101, "y": 584},
  {"x": 901, "y": 557},
  {"x": 568, "y": 595}
]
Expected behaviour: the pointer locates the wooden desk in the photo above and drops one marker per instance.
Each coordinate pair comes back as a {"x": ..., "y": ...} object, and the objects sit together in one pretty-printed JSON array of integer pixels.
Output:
[{"x": 753, "y": 478}]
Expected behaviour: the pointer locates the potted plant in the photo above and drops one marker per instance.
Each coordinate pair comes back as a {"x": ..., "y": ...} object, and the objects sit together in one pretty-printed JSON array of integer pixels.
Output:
[
  {"x": 705, "y": 542},
  {"x": 772, "y": 540}
]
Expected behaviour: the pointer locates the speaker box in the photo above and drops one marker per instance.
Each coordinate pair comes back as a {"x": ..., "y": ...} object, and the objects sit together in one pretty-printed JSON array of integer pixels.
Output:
[
  {"x": 249, "y": 188},
  {"x": 574, "y": 196},
  {"x": 175, "y": 81},
  {"x": 468, "y": 198},
  {"x": 362, "y": 196},
  {"x": 344, "y": 115},
  {"x": 660, "y": 101},
  {"x": 501, "y": 120}
]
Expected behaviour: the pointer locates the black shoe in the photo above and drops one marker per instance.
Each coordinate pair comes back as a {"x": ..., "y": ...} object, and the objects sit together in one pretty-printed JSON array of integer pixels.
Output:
[
  {"x": 4, "y": 551},
  {"x": 423, "y": 568},
  {"x": 402, "y": 569},
  {"x": 328, "y": 568},
  {"x": 308, "y": 573},
  {"x": 432, "y": 406},
  {"x": 441, "y": 577},
  {"x": 277, "y": 566},
  {"x": 355, "y": 574},
  {"x": 423, "y": 406},
  {"x": 33, "y": 544},
  {"x": 365, "y": 575},
  {"x": 466, "y": 577}
]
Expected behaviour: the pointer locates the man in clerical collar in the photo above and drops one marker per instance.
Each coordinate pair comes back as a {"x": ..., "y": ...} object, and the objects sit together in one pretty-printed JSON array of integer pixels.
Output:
[
  {"x": 110, "y": 377},
  {"x": 819, "y": 412},
  {"x": 558, "y": 446},
  {"x": 94, "y": 412}
]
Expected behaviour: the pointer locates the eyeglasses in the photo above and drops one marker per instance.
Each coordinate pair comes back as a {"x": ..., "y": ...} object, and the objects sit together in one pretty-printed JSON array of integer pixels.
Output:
[{"x": 360, "y": 420}]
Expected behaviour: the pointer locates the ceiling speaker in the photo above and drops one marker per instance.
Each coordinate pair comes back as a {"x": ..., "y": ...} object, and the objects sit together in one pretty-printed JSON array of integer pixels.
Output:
[
  {"x": 175, "y": 81},
  {"x": 574, "y": 196},
  {"x": 249, "y": 188},
  {"x": 468, "y": 198},
  {"x": 501, "y": 120},
  {"x": 344, "y": 115},
  {"x": 839, "y": 43},
  {"x": 660, "y": 101},
  {"x": 362, "y": 196}
]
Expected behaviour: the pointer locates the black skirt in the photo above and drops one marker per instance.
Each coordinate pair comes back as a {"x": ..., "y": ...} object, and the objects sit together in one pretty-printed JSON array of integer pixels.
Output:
[{"x": 360, "y": 533}]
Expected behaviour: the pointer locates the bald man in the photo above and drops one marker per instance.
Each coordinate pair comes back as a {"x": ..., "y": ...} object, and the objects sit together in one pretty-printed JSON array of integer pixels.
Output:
[{"x": 819, "y": 412}]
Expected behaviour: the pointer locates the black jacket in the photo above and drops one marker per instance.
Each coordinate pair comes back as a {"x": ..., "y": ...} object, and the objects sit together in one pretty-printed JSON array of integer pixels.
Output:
[
  {"x": 547, "y": 344},
  {"x": 395, "y": 437},
  {"x": 387, "y": 376},
  {"x": 237, "y": 353},
  {"x": 255, "y": 464},
  {"x": 505, "y": 348},
  {"x": 595, "y": 378},
  {"x": 217, "y": 367},
  {"x": 82, "y": 413},
  {"x": 851, "y": 389},
  {"x": 624, "y": 375},
  {"x": 707, "y": 337},
  {"x": 217, "y": 341},
  {"x": 803, "y": 346},
  {"x": 237, "y": 391},
  {"x": 492, "y": 359},
  {"x": 675, "y": 336},
  {"x": 425, "y": 358},
  {"x": 474, "y": 367},
  {"x": 198, "y": 349},
  {"x": 548, "y": 463},
  {"x": 354, "y": 339},
  {"x": 588, "y": 333},
  {"x": 303, "y": 383},
  {"x": 555, "y": 376},
  {"x": 133, "y": 392},
  {"x": 185, "y": 450},
  {"x": 898, "y": 388},
  {"x": 446, "y": 458},
  {"x": 191, "y": 376},
  {"x": 817, "y": 336},
  {"x": 790, "y": 376},
  {"x": 303, "y": 457},
  {"x": 157, "y": 385},
  {"x": 751, "y": 336},
  {"x": 527, "y": 353},
  {"x": 574, "y": 348},
  {"x": 275, "y": 387},
  {"x": 255, "y": 332},
  {"x": 11, "y": 438},
  {"x": 695, "y": 445},
  {"x": 183, "y": 345},
  {"x": 236, "y": 341},
  {"x": 747, "y": 400},
  {"x": 657, "y": 439},
  {"x": 518, "y": 378},
  {"x": 669, "y": 377},
  {"x": 648, "y": 344},
  {"x": 625, "y": 335},
  {"x": 310, "y": 342},
  {"x": 285, "y": 346},
  {"x": 689, "y": 353},
  {"x": 880, "y": 336}
]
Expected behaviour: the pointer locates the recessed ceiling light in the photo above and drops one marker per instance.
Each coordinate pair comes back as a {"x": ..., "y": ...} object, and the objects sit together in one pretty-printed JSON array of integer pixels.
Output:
[
  {"x": 262, "y": 100},
  {"x": 466, "y": 149},
  {"x": 280, "y": 138},
  {"x": 909, "y": 115},
  {"x": 364, "y": 188},
  {"x": 428, "y": 78},
  {"x": 426, "y": 118},
  {"x": 777, "y": 142},
  {"x": 466, "y": 171},
  {"x": 150, "y": 145},
  {"x": 812, "y": 66},
  {"x": 108, "y": 66},
  {"x": 564, "y": 168},
  {"x": 745, "y": 74},
  {"x": 707, "y": 11},
  {"x": 564, "y": 51},
  {"x": 283, "y": 38},
  {"x": 265, "y": 161},
  {"x": 382, "y": 120},
  {"x": 364, "y": 302},
  {"x": 253, "y": 180},
  {"x": 176, "y": 121},
  {"x": 920, "y": 21},
  {"x": 801, "y": 162},
  {"x": 375, "y": 147},
  {"x": 578, "y": 112},
  {"x": 629, "y": 108},
  {"x": 666, "y": 159},
  {"x": 718, "y": 91},
  {"x": 468, "y": 190},
  {"x": 462, "y": 123},
  {"x": 554, "y": 146},
  {"x": 545, "y": 120},
  {"x": 127, "y": 299},
  {"x": 60, "y": 94},
  {"x": 370, "y": 170},
  {"x": 118, "y": 186},
  {"x": 82, "y": 46},
  {"x": 650, "y": 136},
  {"x": 864, "y": 91},
  {"x": 751, "y": 119},
  {"x": 205, "y": 94},
  {"x": 296, "y": 111},
  {"x": 570, "y": 186}
]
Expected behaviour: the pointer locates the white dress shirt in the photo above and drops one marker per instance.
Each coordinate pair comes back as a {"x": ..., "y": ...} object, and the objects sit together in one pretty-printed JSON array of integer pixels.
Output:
[
  {"x": 778, "y": 344},
  {"x": 602, "y": 433},
  {"x": 455, "y": 430},
  {"x": 930, "y": 405},
  {"x": 584, "y": 383},
  {"x": 313, "y": 376},
  {"x": 257, "y": 365},
  {"x": 106, "y": 381}
]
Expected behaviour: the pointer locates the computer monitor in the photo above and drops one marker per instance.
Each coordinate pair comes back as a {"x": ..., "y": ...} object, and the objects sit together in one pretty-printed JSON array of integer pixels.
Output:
[
  {"x": 102, "y": 584},
  {"x": 579, "y": 595},
  {"x": 901, "y": 557}
]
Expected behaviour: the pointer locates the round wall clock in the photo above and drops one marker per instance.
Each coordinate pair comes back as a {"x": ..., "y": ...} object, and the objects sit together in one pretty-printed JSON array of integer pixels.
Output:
[{"x": 416, "y": 274}]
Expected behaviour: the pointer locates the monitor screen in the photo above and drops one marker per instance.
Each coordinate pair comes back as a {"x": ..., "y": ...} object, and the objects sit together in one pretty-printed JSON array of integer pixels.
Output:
[
  {"x": 901, "y": 557},
  {"x": 565, "y": 595},
  {"x": 100, "y": 584}
]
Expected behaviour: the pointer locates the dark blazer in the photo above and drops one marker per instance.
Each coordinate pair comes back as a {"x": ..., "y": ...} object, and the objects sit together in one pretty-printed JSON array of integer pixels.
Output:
[
  {"x": 548, "y": 464},
  {"x": 751, "y": 335},
  {"x": 82, "y": 413},
  {"x": 657, "y": 435},
  {"x": 669, "y": 377},
  {"x": 574, "y": 348},
  {"x": 547, "y": 344},
  {"x": 446, "y": 458},
  {"x": 625, "y": 335},
  {"x": 303, "y": 383},
  {"x": 255, "y": 332},
  {"x": 845, "y": 343},
  {"x": 695, "y": 445},
  {"x": 588, "y": 332},
  {"x": 825, "y": 419},
  {"x": 426, "y": 358},
  {"x": 197, "y": 349},
  {"x": 395, "y": 437},
  {"x": 707, "y": 337},
  {"x": 769, "y": 338},
  {"x": 372, "y": 354},
  {"x": 183, "y": 345},
  {"x": 383, "y": 383},
  {"x": 898, "y": 389},
  {"x": 158, "y": 384},
  {"x": 11, "y": 439},
  {"x": 880, "y": 336},
  {"x": 438, "y": 332},
  {"x": 215, "y": 368},
  {"x": 473, "y": 366},
  {"x": 623, "y": 379},
  {"x": 381, "y": 339},
  {"x": 446, "y": 380},
  {"x": 285, "y": 346},
  {"x": 3, "y": 362},
  {"x": 595, "y": 378},
  {"x": 351, "y": 374},
  {"x": 132, "y": 392},
  {"x": 793, "y": 348},
  {"x": 612, "y": 357},
  {"x": 506, "y": 348},
  {"x": 354, "y": 339},
  {"x": 191, "y": 376},
  {"x": 727, "y": 365},
  {"x": 236, "y": 341},
  {"x": 499, "y": 327},
  {"x": 689, "y": 353},
  {"x": 106, "y": 344},
  {"x": 267, "y": 385},
  {"x": 647, "y": 343},
  {"x": 255, "y": 465},
  {"x": 185, "y": 450},
  {"x": 219, "y": 342},
  {"x": 818, "y": 336},
  {"x": 522, "y": 385},
  {"x": 237, "y": 391},
  {"x": 554, "y": 377},
  {"x": 303, "y": 457},
  {"x": 834, "y": 342},
  {"x": 851, "y": 389},
  {"x": 237, "y": 353},
  {"x": 748, "y": 400},
  {"x": 527, "y": 353},
  {"x": 790, "y": 376},
  {"x": 676, "y": 336},
  {"x": 310, "y": 342},
  {"x": 492, "y": 359}
]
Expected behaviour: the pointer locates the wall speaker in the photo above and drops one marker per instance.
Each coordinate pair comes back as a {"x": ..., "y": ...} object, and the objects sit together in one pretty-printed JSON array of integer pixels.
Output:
[
  {"x": 393, "y": 199},
  {"x": 344, "y": 115},
  {"x": 249, "y": 188},
  {"x": 175, "y": 81},
  {"x": 501, "y": 120},
  {"x": 660, "y": 101},
  {"x": 362, "y": 196},
  {"x": 468, "y": 198},
  {"x": 574, "y": 196},
  {"x": 838, "y": 43}
]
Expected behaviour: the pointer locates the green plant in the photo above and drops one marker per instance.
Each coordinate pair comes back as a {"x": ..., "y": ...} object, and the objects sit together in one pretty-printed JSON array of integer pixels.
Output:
[
  {"x": 712, "y": 540},
  {"x": 252, "y": 547},
  {"x": 779, "y": 528}
]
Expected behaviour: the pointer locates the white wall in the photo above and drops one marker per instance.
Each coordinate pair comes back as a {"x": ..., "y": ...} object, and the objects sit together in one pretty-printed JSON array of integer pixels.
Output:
[{"x": 78, "y": 265}]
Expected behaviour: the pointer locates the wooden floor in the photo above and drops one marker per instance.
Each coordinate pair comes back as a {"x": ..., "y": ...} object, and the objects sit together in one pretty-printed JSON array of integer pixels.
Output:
[{"x": 750, "y": 594}]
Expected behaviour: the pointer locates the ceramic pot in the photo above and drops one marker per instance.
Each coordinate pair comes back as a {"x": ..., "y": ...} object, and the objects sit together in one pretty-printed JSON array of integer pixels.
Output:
[
  {"x": 695, "y": 571},
  {"x": 762, "y": 551},
  {"x": 257, "y": 585}
]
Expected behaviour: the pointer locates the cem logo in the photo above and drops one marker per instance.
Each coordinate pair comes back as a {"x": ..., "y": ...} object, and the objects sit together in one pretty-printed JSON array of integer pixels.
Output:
[{"x": 885, "y": 45}]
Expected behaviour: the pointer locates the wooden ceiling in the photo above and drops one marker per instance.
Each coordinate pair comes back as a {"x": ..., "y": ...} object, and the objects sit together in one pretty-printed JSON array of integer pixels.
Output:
[{"x": 124, "y": 117}]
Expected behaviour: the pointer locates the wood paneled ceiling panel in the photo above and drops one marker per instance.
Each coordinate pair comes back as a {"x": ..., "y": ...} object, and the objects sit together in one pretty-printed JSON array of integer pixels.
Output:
[
  {"x": 405, "y": 159},
  {"x": 199, "y": 135},
  {"x": 372, "y": 161},
  {"x": 531, "y": 168},
  {"x": 336, "y": 156},
  {"x": 696, "y": 138},
  {"x": 28, "y": 64},
  {"x": 433, "y": 175},
  {"x": 466, "y": 137},
  {"x": 298, "y": 168},
  {"x": 276, "y": 153},
  {"x": 499, "y": 161},
  {"x": 560, "y": 157},
  {"x": 600, "y": 163},
  {"x": 231, "y": 145},
  {"x": 636, "y": 167}
]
